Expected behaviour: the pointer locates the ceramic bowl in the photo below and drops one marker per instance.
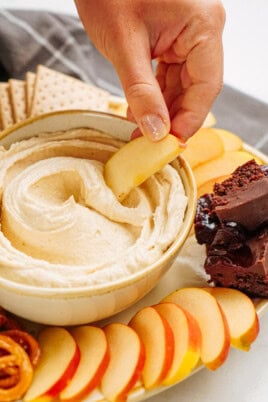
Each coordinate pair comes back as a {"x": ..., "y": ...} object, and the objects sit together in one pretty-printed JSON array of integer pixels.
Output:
[{"x": 62, "y": 306}]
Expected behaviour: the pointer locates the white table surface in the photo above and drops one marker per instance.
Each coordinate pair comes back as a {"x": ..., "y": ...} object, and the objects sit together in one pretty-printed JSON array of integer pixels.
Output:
[{"x": 244, "y": 377}]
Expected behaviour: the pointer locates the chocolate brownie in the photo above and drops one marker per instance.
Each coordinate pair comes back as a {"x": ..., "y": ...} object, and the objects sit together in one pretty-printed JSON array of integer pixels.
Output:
[{"x": 233, "y": 223}]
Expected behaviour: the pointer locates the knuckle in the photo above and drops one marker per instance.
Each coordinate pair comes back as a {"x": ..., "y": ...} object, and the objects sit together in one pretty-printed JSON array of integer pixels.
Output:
[{"x": 138, "y": 89}]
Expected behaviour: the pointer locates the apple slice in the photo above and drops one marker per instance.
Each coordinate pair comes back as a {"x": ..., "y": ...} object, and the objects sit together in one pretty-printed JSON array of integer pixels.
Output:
[
  {"x": 231, "y": 141},
  {"x": 127, "y": 359},
  {"x": 60, "y": 357},
  {"x": 208, "y": 186},
  {"x": 187, "y": 341},
  {"x": 158, "y": 340},
  {"x": 203, "y": 146},
  {"x": 210, "y": 120},
  {"x": 94, "y": 360},
  {"x": 241, "y": 316},
  {"x": 221, "y": 166},
  {"x": 212, "y": 322},
  {"x": 137, "y": 160}
]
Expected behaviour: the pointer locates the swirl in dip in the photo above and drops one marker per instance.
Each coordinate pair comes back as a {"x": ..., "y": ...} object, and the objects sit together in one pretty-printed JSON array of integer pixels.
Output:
[{"x": 61, "y": 226}]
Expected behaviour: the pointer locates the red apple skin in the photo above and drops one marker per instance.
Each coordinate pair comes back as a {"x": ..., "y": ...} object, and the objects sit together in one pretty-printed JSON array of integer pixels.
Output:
[
  {"x": 251, "y": 335},
  {"x": 94, "y": 383},
  {"x": 169, "y": 350},
  {"x": 137, "y": 370},
  {"x": 66, "y": 377},
  {"x": 243, "y": 342},
  {"x": 213, "y": 365},
  {"x": 169, "y": 347},
  {"x": 136, "y": 377},
  {"x": 192, "y": 354},
  {"x": 219, "y": 359}
]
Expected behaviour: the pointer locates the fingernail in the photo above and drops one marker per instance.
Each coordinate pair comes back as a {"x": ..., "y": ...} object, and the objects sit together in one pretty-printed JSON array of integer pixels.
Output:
[{"x": 153, "y": 127}]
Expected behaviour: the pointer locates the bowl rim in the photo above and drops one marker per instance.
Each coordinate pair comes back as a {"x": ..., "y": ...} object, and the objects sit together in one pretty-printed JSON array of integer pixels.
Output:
[
  {"x": 30, "y": 120},
  {"x": 188, "y": 181}
]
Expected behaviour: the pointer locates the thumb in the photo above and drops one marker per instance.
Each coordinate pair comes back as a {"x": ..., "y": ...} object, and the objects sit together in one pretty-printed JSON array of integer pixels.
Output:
[{"x": 132, "y": 62}]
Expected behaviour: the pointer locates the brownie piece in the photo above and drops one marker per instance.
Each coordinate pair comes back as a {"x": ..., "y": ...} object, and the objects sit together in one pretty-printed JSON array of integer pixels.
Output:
[{"x": 233, "y": 223}]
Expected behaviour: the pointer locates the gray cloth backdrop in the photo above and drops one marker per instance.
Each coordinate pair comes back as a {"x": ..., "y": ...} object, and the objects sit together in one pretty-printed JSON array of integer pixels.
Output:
[{"x": 29, "y": 38}]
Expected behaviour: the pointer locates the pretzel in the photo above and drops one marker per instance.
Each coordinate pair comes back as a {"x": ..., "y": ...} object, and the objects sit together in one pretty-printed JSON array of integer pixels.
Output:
[
  {"x": 27, "y": 342},
  {"x": 16, "y": 370}
]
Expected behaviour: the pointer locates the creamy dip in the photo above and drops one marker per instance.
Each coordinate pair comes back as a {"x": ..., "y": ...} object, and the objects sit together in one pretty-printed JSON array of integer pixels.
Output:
[{"x": 62, "y": 226}]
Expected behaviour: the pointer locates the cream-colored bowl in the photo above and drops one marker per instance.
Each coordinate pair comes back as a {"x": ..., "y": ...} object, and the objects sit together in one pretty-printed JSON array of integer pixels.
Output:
[{"x": 72, "y": 306}]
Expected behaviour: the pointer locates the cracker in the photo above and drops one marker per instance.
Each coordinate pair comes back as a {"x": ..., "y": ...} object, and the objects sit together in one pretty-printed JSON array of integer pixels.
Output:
[
  {"x": 30, "y": 83},
  {"x": 18, "y": 99},
  {"x": 5, "y": 106},
  {"x": 57, "y": 91}
]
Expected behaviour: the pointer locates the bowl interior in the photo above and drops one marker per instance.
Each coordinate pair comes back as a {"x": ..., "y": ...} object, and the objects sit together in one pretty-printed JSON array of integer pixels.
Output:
[{"x": 119, "y": 128}]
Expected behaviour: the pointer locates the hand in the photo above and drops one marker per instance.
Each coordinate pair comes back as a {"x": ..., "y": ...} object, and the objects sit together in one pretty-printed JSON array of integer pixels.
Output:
[{"x": 185, "y": 36}]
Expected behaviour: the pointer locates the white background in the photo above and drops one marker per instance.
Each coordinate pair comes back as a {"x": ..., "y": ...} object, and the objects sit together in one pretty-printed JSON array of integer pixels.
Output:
[
  {"x": 244, "y": 377},
  {"x": 245, "y": 40}
]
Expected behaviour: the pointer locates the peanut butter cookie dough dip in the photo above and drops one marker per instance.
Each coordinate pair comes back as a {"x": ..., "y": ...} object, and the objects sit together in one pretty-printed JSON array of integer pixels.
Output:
[{"x": 61, "y": 226}]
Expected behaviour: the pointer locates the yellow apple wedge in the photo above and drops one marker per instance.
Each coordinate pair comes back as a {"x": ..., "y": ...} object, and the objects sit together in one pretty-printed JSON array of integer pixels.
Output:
[
  {"x": 187, "y": 341},
  {"x": 137, "y": 160},
  {"x": 158, "y": 340},
  {"x": 208, "y": 186},
  {"x": 210, "y": 120},
  {"x": 221, "y": 166},
  {"x": 60, "y": 357},
  {"x": 127, "y": 359},
  {"x": 241, "y": 316},
  {"x": 94, "y": 360},
  {"x": 203, "y": 146},
  {"x": 231, "y": 141},
  {"x": 212, "y": 322}
]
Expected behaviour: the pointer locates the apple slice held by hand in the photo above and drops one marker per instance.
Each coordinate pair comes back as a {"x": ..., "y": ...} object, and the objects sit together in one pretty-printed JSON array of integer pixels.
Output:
[
  {"x": 212, "y": 322},
  {"x": 127, "y": 359},
  {"x": 94, "y": 360},
  {"x": 241, "y": 316},
  {"x": 137, "y": 160},
  {"x": 187, "y": 341},
  {"x": 158, "y": 340},
  {"x": 60, "y": 357}
]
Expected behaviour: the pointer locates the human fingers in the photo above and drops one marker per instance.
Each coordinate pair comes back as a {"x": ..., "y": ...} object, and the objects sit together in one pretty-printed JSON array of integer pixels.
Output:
[
  {"x": 201, "y": 82},
  {"x": 191, "y": 71},
  {"x": 142, "y": 91}
]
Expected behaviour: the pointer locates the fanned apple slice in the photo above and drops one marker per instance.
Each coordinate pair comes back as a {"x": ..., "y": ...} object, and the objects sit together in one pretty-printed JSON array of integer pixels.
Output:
[
  {"x": 137, "y": 160},
  {"x": 187, "y": 341},
  {"x": 241, "y": 316},
  {"x": 94, "y": 360},
  {"x": 60, "y": 356},
  {"x": 212, "y": 322},
  {"x": 127, "y": 358},
  {"x": 158, "y": 339}
]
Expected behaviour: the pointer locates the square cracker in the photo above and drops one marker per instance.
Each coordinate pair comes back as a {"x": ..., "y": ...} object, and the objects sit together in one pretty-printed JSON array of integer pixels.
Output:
[
  {"x": 5, "y": 106},
  {"x": 58, "y": 91},
  {"x": 18, "y": 99},
  {"x": 30, "y": 83}
]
